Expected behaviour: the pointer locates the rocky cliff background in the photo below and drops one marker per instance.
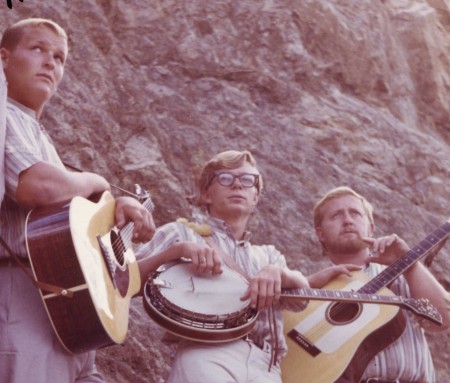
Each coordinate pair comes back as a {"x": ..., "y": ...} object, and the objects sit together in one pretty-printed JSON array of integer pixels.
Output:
[{"x": 324, "y": 93}]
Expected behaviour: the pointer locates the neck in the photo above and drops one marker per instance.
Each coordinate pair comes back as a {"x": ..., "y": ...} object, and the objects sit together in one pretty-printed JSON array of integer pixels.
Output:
[
  {"x": 356, "y": 258},
  {"x": 237, "y": 225}
]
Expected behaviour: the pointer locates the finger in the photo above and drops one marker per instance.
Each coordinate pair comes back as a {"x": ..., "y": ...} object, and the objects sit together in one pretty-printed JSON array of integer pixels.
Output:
[
  {"x": 217, "y": 268},
  {"x": 277, "y": 290},
  {"x": 264, "y": 295},
  {"x": 368, "y": 240},
  {"x": 253, "y": 294},
  {"x": 246, "y": 295}
]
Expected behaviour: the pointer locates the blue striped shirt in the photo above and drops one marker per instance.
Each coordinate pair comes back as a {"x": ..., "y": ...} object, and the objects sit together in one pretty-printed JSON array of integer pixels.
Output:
[
  {"x": 26, "y": 143},
  {"x": 408, "y": 358}
]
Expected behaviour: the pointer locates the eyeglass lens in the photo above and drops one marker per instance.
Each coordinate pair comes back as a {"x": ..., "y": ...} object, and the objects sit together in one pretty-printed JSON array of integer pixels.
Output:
[{"x": 246, "y": 180}]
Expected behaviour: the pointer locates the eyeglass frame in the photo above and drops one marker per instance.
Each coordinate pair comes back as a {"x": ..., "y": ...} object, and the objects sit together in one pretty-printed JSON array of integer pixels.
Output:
[{"x": 255, "y": 182}]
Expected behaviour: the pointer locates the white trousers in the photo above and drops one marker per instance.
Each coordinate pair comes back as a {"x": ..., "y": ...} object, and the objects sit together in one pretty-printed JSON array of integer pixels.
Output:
[
  {"x": 232, "y": 362},
  {"x": 29, "y": 349}
]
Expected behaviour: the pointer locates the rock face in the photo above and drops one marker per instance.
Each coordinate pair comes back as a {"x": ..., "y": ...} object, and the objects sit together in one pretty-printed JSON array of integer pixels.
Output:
[{"x": 324, "y": 93}]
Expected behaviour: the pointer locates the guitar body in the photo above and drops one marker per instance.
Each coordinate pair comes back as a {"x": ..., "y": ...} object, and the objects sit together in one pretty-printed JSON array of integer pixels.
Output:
[
  {"x": 329, "y": 340},
  {"x": 72, "y": 246}
]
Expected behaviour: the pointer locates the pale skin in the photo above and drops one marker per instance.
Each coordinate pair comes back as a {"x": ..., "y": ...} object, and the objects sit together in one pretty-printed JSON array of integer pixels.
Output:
[
  {"x": 346, "y": 234},
  {"x": 34, "y": 68}
]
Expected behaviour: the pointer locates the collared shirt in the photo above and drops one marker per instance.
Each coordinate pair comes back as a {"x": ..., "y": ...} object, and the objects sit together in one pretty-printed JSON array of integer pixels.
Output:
[
  {"x": 408, "y": 358},
  {"x": 3, "y": 90},
  {"x": 26, "y": 143},
  {"x": 248, "y": 257}
]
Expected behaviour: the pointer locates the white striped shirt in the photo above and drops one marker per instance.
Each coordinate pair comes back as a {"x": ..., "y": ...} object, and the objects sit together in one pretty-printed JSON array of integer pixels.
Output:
[
  {"x": 26, "y": 143},
  {"x": 248, "y": 257},
  {"x": 2, "y": 130},
  {"x": 408, "y": 358}
]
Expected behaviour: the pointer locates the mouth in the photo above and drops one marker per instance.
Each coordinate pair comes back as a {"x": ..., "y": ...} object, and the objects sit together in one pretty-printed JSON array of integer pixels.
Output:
[
  {"x": 236, "y": 196},
  {"x": 46, "y": 76}
]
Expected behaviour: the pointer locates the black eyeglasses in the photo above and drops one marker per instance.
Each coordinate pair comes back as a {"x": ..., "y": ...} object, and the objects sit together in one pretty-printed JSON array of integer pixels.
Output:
[{"x": 246, "y": 180}]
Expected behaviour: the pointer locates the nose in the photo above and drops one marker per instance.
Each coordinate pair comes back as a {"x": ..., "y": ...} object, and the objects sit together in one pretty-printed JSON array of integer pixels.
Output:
[
  {"x": 347, "y": 217},
  {"x": 237, "y": 183},
  {"x": 49, "y": 61}
]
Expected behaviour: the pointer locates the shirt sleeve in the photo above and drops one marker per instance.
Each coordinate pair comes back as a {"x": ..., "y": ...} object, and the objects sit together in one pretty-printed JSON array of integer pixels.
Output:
[
  {"x": 165, "y": 236},
  {"x": 291, "y": 304},
  {"x": 2, "y": 131}
]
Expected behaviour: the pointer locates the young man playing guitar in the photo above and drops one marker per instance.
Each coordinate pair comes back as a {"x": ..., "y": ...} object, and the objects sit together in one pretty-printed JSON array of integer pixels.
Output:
[
  {"x": 33, "y": 53},
  {"x": 344, "y": 225},
  {"x": 229, "y": 189}
]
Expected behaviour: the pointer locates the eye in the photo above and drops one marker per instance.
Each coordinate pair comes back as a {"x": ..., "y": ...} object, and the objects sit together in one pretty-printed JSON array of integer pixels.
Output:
[
  {"x": 36, "y": 48},
  {"x": 356, "y": 214},
  {"x": 337, "y": 215},
  {"x": 247, "y": 180},
  {"x": 225, "y": 178},
  {"x": 59, "y": 58}
]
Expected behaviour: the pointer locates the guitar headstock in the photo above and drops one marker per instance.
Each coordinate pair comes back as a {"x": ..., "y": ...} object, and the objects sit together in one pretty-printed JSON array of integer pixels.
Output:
[
  {"x": 144, "y": 197},
  {"x": 424, "y": 308}
]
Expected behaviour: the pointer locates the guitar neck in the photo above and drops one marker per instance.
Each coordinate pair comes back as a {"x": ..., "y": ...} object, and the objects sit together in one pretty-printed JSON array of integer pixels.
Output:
[
  {"x": 127, "y": 231},
  {"x": 407, "y": 260},
  {"x": 341, "y": 296}
]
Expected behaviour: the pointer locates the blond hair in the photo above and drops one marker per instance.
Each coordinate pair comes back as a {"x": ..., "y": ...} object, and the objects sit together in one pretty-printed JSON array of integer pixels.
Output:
[
  {"x": 336, "y": 193},
  {"x": 14, "y": 33}
]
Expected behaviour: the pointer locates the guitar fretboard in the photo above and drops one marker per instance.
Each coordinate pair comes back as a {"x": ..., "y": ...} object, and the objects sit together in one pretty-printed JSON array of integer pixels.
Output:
[
  {"x": 403, "y": 263},
  {"x": 341, "y": 296}
]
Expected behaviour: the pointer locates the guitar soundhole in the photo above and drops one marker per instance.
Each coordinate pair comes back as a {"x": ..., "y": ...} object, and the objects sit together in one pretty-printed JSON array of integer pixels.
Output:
[
  {"x": 118, "y": 247},
  {"x": 343, "y": 313}
]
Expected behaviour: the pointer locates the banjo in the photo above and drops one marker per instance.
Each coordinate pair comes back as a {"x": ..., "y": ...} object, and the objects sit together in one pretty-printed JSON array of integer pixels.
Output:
[
  {"x": 207, "y": 308},
  {"x": 199, "y": 306}
]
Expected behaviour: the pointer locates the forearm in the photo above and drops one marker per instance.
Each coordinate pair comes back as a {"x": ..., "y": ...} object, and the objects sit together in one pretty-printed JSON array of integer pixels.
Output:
[
  {"x": 149, "y": 264},
  {"x": 423, "y": 284},
  {"x": 44, "y": 183},
  {"x": 293, "y": 279}
]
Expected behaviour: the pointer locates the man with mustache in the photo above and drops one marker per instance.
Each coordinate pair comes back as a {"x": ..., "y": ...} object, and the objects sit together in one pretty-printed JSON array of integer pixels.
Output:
[
  {"x": 33, "y": 53},
  {"x": 343, "y": 220}
]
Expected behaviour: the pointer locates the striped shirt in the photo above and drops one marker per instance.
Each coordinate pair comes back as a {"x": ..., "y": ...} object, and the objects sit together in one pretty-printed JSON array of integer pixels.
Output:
[
  {"x": 248, "y": 257},
  {"x": 26, "y": 143},
  {"x": 408, "y": 358},
  {"x": 2, "y": 130}
]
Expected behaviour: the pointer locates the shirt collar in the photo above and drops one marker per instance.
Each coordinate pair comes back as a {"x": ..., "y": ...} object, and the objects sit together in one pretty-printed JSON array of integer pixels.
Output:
[
  {"x": 219, "y": 226},
  {"x": 23, "y": 108}
]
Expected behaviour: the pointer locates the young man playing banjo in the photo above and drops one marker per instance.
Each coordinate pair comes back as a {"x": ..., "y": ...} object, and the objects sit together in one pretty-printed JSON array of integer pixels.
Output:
[{"x": 229, "y": 188}]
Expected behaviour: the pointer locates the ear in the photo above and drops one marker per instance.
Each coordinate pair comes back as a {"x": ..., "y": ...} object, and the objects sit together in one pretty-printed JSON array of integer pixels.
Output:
[
  {"x": 319, "y": 233},
  {"x": 205, "y": 198},
  {"x": 371, "y": 229},
  {"x": 4, "y": 53},
  {"x": 256, "y": 198}
]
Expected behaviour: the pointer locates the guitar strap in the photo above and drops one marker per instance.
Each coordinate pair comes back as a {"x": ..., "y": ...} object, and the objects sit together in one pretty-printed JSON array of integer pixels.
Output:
[
  {"x": 226, "y": 258},
  {"x": 40, "y": 285},
  {"x": 272, "y": 320}
]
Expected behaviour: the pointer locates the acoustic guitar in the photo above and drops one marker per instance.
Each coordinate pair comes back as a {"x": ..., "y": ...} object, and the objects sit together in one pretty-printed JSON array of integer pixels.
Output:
[
  {"x": 329, "y": 341},
  {"x": 207, "y": 308},
  {"x": 77, "y": 248}
]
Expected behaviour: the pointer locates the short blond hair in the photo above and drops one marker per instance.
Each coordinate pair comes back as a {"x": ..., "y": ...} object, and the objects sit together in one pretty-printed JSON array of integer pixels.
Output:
[
  {"x": 14, "y": 33},
  {"x": 230, "y": 159},
  {"x": 336, "y": 193}
]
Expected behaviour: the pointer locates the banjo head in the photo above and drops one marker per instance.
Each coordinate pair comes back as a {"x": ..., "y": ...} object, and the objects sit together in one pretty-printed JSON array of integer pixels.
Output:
[{"x": 199, "y": 306}]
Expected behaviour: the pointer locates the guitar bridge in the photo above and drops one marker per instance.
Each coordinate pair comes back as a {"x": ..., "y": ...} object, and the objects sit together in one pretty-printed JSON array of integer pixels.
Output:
[{"x": 304, "y": 343}]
